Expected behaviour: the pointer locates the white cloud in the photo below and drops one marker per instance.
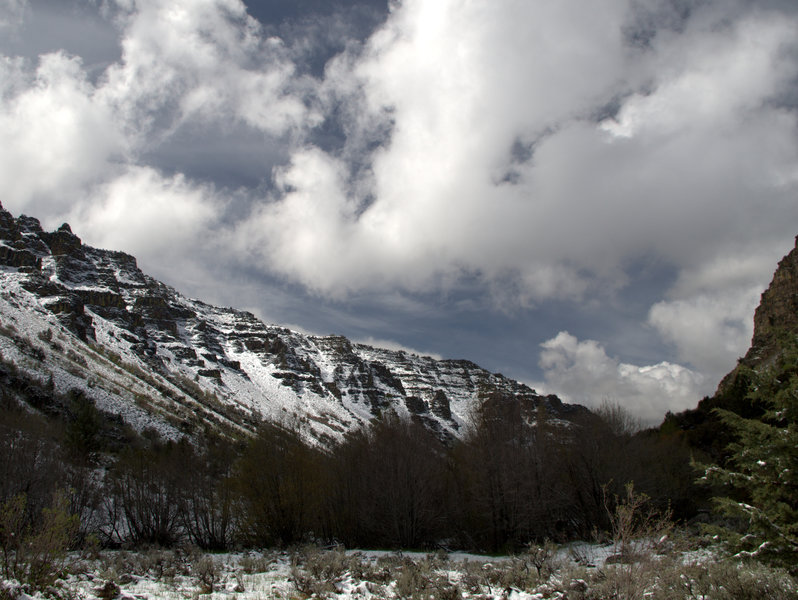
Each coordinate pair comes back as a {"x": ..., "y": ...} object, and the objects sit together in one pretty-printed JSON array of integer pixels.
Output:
[
  {"x": 709, "y": 330},
  {"x": 699, "y": 156},
  {"x": 522, "y": 146},
  {"x": 201, "y": 60},
  {"x": 450, "y": 78},
  {"x": 721, "y": 74},
  {"x": 309, "y": 229},
  {"x": 56, "y": 138},
  {"x": 582, "y": 372},
  {"x": 709, "y": 314},
  {"x": 75, "y": 147},
  {"x": 184, "y": 64},
  {"x": 164, "y": 221}
]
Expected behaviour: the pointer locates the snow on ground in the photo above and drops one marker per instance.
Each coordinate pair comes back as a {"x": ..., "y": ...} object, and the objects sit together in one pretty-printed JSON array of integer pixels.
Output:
[
  {"x": 254, "y": 576},
  {"x": 311, "y": 572}
]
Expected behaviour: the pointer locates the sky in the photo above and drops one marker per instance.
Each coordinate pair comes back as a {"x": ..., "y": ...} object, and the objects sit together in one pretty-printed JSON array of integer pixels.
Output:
[{"x": 589, "y": 197}]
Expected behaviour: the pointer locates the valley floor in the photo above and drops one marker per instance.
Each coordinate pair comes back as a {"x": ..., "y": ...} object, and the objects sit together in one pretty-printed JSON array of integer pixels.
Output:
[{"x": 574, "y": 572}]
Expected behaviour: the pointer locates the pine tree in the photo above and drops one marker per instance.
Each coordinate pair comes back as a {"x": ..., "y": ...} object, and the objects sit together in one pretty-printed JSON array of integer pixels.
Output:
[{"x": 761, "y": 475}]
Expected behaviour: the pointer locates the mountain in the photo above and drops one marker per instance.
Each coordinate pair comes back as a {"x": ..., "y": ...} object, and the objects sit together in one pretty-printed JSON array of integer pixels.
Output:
[
  {"x": 775, "y": 321},
  {"x": 776, "y": 316},
  {"x": 73, "y": 317}
]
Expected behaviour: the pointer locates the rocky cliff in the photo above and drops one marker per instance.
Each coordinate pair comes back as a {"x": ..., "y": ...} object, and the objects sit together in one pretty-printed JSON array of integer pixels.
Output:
[
  {"x": 775, "y": 318},
  {"x": 777, "y": 311},
  {"x": 79, "y": 317}
]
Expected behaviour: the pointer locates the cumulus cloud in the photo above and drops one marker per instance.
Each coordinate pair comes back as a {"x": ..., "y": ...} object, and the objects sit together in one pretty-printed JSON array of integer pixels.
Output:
[
  {"x": 530, "y": 152},
  {"x": 708, "y": 330},
  {"x": 75, "y": 147},
  {"x": 708, "y": 316},
  {"x": 497, "y": 163},
  {"x": 582, "y": 372},
  {"x": 162, "y": 220},
  {"x": 447, "y": 78},
  {"x": 543, "y": 154},
  {"x": 201, "y": 60},
  {"x": 56, "y": 138}
]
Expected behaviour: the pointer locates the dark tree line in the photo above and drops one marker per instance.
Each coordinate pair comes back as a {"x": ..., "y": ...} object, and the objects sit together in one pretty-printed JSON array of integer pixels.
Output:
[{"x": 516, "y": 476}]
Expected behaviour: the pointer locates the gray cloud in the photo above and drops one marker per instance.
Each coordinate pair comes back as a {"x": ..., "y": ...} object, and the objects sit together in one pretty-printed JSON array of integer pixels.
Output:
[
  {"x": 12, "y": 14},
  {"x": 75, "y": 27},
  {"x": 489, "y": 158}
]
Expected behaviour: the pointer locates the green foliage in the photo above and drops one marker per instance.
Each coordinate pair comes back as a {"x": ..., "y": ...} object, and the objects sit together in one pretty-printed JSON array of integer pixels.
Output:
[
  {"x": 722, "y": 580},
  {"x": 83, "y": 425},
  {"x": 33, "y": 551},
  {"x": 761, "y": 477}
]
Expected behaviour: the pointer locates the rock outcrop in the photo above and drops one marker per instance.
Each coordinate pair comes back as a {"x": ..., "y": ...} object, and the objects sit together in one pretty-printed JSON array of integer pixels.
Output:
[{"x": 775, "y": 317}]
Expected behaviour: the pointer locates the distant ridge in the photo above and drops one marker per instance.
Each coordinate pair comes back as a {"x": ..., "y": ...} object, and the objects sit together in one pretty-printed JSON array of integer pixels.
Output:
[{"x": 73, "y": 316}]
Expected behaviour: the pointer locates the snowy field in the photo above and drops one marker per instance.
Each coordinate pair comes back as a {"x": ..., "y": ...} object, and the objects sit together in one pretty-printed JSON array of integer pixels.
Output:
[{"x": 581, "y": 571}]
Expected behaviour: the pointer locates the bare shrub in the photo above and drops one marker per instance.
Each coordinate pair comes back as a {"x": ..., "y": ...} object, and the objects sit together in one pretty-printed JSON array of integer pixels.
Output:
[
  {"x": 115, "y": 566},
  {"x": 255, "y": 564},
  {"x": 724, "y": 580},
  {"x": 327, "y": 564},
  {"x": 146, "y": 486},
  {"x": 543, "y": 558},
  {"x": 10, "y": 590},
  {"x": 307, "y": 584},
  {"x": 411, "y": 580},
  {"x": 423, "y": 579},
  {"x": 162, "y": 563},
  {"x": 108, "y": 591},
  {"x": 207, "y": 574},
  {"x": 154, "y": 562},
  {"x": 316, "y": 571},
  {"x": 637, "y": 528}
]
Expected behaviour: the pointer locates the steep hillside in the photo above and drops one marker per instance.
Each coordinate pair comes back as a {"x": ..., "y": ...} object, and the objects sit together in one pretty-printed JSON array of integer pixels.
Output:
[
  {"x": 73, "y": 316},
  {"x": 775, "y": 321},
  {"x": 776, "y": 316}
]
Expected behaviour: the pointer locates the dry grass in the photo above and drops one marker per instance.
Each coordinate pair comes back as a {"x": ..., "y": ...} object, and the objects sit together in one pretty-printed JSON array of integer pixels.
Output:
[{"x": 543, "y": 573}]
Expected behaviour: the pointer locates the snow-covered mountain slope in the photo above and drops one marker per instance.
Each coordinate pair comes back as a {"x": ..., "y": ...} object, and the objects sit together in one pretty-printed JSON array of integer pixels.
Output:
[{"x": 78, "y": 317}]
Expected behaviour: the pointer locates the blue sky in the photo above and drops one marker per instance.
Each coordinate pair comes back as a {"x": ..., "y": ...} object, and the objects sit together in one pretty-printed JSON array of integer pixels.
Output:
[{"x": 588, "y": 197}]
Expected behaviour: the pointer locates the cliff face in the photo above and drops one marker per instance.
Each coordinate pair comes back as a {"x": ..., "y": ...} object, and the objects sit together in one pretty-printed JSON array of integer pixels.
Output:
[
  {"x": 776, "y": 315},
  {"x": 777, "y": 311},
  {"x": 141, "y": 349}
]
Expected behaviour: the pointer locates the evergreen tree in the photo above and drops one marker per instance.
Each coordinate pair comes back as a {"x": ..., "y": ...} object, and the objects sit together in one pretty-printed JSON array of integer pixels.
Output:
[
  {"x": 761, "y": 475},
  {"x": 82, "y": 435}
]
